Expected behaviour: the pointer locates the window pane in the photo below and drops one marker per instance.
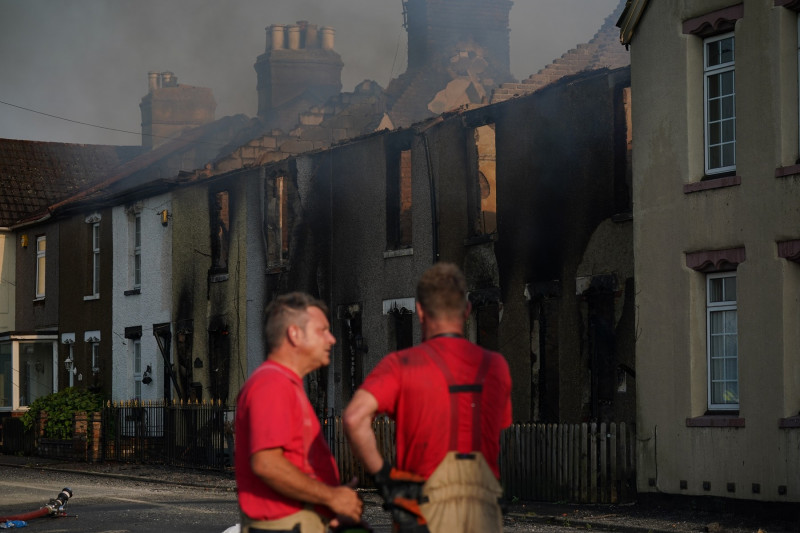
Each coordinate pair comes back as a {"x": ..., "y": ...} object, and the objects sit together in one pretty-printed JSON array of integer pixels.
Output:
[
  {"x": 137, "y": 270},
  {"x": 730, "y": 321},
  {"x": 713, "y": 87},
  {"x": 35, "y": 371},
  {"x": 731, "y": 346},
  {"x": 137, "y": 357},
  {"x": 726, "y": 107},
  {"x": 731, "y": 369},
  {"x": 712, "y": 49},
  {"x": 715, "y": 157},
  {"x": 717, "y": 394},
  {"x": 40, "y": 276},
  {"x": 728, "y": 155},
  {"x": 716, "y": 323},
  {"x": 138, "y": 232},
  {"x": 730, "y": 289},
  {"x": 5, "y": 374},
  {"x": 715, "y": 289},
  {"x": 717, "y": 367},
  {"x": 728, "y": 130},
  {"x": 717, "y": 347},
  {"x": 714, "y": 110},
  {"x": 714, "y": 133},
  {"x": 726, "y": 50},
  {"x": 726, "y": 81},
  {"x": 731, "y": 392}
]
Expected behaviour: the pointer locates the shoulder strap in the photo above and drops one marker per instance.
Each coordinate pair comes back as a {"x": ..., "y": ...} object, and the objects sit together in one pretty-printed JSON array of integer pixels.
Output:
[{"x": 475, "y": 388}]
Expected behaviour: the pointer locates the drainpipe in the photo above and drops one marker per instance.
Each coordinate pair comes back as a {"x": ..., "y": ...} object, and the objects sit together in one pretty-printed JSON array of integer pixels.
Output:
[{"x": 432, "y": 187}]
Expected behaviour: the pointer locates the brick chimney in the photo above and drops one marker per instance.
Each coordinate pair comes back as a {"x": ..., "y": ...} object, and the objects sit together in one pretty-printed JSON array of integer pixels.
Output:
[
  {"x": 168, "y": 109},
  {"x": 298, "y": 69}
]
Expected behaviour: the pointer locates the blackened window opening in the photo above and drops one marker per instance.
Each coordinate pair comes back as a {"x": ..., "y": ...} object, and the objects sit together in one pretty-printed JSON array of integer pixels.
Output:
[
  {"x": 403, "y": 324},
  {"x": 353, "y": 350},
  {"x": 220, "y": 231},
  {"x": 277, "y": 221},
  {"x": 398, "y": 199},
  {"x": 483, "y": 197}
]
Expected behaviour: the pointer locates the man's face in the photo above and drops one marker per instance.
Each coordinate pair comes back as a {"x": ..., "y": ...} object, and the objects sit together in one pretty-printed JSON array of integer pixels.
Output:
[{"x": 316, "y": 339}]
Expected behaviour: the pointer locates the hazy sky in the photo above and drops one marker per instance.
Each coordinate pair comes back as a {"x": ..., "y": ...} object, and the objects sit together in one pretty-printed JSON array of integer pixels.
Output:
[{"x": 87, "y": 60}]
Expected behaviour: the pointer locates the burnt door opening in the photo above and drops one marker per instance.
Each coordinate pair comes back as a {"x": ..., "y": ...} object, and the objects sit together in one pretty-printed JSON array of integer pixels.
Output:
[
  {"x": 602, "y": 353},
  {"x": 183, "y": 348},
  {"x": 488, "y": 321},
  {"x": 163, "y": 335},
  {"x": 354, "y": 348},
  {"x": 219, "y": 356}
]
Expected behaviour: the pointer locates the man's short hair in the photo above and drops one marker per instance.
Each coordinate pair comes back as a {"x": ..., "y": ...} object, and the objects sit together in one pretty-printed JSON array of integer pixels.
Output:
[
  {"x": 442, "y": 291},
  {"x": 286, "y": 310}
]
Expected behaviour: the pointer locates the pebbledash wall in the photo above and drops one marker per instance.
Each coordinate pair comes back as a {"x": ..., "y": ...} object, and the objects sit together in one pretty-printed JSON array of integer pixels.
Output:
[
  {"x": 689, "y": 225},
  {"x": 140, "y": 308}
]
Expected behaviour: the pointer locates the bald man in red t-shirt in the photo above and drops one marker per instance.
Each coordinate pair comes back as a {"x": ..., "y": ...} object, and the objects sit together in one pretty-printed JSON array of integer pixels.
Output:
[{"x": 450, "y": 399}]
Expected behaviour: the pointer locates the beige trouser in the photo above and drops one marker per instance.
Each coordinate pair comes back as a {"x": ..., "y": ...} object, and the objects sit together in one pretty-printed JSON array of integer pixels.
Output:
[
  {"x": 463, "y": 495},
  {"x": 308, "y": 520}
]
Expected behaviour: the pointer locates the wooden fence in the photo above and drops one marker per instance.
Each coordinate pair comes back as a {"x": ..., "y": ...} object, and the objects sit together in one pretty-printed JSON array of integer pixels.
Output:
[
  {"x": 349, "y": 466},
  {"x": 576, "y": 463}
]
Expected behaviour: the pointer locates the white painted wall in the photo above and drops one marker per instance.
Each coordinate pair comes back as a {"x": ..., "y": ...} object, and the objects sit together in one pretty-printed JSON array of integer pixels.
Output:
[{"x": 152, "y": 305}]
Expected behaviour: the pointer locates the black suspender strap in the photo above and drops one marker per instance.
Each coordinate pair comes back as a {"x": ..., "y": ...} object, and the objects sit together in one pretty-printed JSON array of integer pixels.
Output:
[{"x": 475, "y": 388}]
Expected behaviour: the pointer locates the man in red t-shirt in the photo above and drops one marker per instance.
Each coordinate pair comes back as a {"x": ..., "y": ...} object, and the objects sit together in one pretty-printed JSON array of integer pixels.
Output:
[
  {"x": 285, "y": 473},
  {"x": 450, "y": 400}
]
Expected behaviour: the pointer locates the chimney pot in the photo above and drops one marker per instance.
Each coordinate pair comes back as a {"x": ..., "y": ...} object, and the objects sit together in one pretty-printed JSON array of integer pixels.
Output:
[
  {"x": 294, "y": 37},
  {"x": 327, "y": 37},
  {"x": 153, "y": 79},
  {"x": 277, "y": 36},
  {"x": 312, "y": 36}
]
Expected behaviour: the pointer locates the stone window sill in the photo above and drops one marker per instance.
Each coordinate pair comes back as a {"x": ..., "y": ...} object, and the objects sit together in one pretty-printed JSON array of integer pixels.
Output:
[
  {"x": 91, "y": 297},
  {"x": 398, "y": 253},
  {"x": 782, "y": 172},
  {"x": 217, "y": 278},
  {"x": 133, "y": 292},
  {"x": 715, "y": 421},
  {"x": 718, "y": 183},
  {"x": 792, "y": 422}
]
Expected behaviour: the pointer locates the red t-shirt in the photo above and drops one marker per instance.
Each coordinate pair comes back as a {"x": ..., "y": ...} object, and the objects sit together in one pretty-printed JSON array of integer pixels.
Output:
[
  {"x": 273, "y": 411},
  {"x": 412, "y": 390}
]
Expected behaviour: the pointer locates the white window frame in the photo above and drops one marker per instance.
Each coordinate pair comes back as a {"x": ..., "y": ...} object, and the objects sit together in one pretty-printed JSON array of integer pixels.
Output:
[
  {"x": 94, "y": 349},
  {"x": 136, "y": 357},
  {"x": 96, "y": 259},
  {"x": 719, "y": 362},
  {"x": 137, "y": 251},
  {"x": 41, "y": 266},
  {"x": 718, "y": 71}
]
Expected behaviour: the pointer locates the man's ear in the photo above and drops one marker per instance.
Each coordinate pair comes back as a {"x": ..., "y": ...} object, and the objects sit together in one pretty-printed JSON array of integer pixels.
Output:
[
  {"x": 292, "y": 333},
  {"x": 420, "y": 313},
  {"x": 468, "y": 310}
]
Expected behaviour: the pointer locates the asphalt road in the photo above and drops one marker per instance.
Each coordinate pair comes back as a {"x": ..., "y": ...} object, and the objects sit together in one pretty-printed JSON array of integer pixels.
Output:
[
  {"x": 113, "y": 505},
  {"x": 119, "y": 505}
]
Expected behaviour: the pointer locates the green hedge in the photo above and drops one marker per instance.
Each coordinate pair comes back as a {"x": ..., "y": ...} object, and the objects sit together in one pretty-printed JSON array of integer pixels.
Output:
[{"x": 60, "y": 407}]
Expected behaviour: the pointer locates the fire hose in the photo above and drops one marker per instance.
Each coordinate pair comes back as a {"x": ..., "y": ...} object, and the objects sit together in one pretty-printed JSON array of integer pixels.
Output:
[{"x": 55, "y": 508}]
